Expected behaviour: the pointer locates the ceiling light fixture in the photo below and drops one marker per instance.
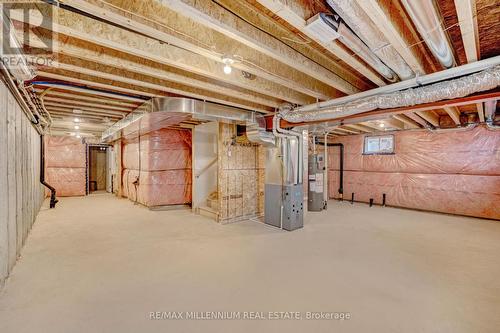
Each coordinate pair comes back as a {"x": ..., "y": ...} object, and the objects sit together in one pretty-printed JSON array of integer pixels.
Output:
[
  {"x": 78, "y": 136},
  {"x": 77, "y": 127},
  {"x": 77, "y": 111},
  {"x": 381, "y": 125},
  {"x": 227, "y": 64},
  {"x": 76, "y": 120},
  {"x": 72, "y": 134}
]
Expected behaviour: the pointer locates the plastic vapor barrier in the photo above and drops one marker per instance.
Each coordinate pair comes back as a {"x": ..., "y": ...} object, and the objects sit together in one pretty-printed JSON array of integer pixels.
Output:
[
  {"x": 161, "y": 162},
  {"x": 452, "y": 172},
  {"x": 65, "y": 165}
]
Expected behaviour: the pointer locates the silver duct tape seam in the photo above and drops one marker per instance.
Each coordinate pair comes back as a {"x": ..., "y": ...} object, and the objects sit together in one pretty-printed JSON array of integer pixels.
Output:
[{"x": 461, "y": 87}]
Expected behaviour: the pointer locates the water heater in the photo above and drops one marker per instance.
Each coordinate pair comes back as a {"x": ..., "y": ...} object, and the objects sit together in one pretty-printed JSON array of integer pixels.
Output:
[{"x": 316, "y": 173}]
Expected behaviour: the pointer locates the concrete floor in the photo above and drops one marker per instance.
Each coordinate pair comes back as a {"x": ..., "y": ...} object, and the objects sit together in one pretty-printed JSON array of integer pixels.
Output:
[{"x": 101, "y": 264}]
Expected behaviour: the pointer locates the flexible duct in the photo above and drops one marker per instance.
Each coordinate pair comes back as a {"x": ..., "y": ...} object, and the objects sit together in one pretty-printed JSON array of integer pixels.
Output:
[
  {"x": 368, "y": 32},
  {"x": 451, "y": 73},
  {"x": 464, "y": 86},
  {"x": 426, "y": 18}
]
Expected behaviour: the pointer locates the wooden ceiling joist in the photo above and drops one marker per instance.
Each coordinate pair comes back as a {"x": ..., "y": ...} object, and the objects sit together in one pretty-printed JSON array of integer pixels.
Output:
[
  {"x": 429, "y": 116},
  {"x": 85, "y": 90},
  {"x": 172, "y": 28},
  {"x": 466, "y": 12},
  {"x": 407, "y": 120},
  {"x": 86, "y": 109},
  {"x": 454, "y": 114},
  {"x": 81, "y": 97},
  {"x": 359, "y": 128},
  {"x": 137, "y": 80},
  {"x": 391, "y": 32},
  {"x": 68, "y": 112},
  {"x": 77, "y": 103},
  {"x": 111, "y": 37},
  {"x": 104, "y": 58},
  {"x": 214, "y": 16},
  {"x": 248, "y": 12}
]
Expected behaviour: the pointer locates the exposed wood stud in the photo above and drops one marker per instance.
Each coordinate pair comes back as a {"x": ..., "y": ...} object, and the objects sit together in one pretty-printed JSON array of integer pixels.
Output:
[
  {"x": 454, "y": 114},
  {"x": 466, "y": 12}
]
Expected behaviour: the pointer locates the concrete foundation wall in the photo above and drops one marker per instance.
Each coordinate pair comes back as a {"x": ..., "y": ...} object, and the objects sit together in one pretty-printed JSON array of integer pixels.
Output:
[{"x": 21, "y": 193}]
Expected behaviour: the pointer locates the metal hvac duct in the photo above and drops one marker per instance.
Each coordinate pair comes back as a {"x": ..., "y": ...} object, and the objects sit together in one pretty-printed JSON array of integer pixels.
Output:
[
  {"x": 427, "y": 20},
  {"x": 179, "y": 109}
]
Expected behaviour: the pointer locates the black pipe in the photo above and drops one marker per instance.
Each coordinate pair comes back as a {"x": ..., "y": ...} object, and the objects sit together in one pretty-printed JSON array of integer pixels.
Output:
[
  {"x": 341, "y": 188},
  {"x": 383, "y": 199},
  {"x": 53, "y": 199},
  {"x": 371, "y": 202},
  {"x": 352, "y": 198}
]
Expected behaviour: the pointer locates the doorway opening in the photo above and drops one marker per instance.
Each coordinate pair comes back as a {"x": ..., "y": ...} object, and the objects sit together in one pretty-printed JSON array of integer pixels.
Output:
[{"x": 97, "y": 169}]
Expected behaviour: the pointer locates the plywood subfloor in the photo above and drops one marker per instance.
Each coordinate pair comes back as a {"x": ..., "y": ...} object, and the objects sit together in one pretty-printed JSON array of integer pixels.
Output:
[{"x": 101, "y": 264}]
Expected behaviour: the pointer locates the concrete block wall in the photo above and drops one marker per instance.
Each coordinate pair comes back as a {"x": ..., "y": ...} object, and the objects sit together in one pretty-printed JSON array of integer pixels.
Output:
[{"x": 21, "y": 193}]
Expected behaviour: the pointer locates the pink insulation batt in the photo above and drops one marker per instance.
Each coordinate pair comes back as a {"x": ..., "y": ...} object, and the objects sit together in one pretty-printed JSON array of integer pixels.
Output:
[
  {"x": 451, "y": 172},
  {"x": 163, "y": 157},
  {"x": 65, "y": 165}
]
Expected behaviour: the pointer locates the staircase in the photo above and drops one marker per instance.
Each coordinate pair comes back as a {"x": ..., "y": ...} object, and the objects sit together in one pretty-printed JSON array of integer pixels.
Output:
[{"x": 211, "y": 210}]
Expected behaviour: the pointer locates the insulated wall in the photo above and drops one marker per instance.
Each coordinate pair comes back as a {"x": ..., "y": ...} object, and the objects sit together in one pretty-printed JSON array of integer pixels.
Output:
[
  {"x": 21, "y": 193},
  {"x": 453, "y": 172},
  {"x": 65, "y": 163},
  {"x": 161, "y": 162}
]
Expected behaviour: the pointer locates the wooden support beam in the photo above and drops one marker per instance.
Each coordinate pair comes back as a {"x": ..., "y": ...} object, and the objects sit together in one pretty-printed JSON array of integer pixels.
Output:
[
  {"x": 454, "y": 113},
  {"x": 133, "y": 44},
  {"x": 162, "y": 24},
  {"x": 407, "y": 120},
  {"x": 480, "y": 112},
  {"x": 429, "y": 116},
  {"x": 378, "y": 15},
  {"x": 293, "y": 13},
  {"x": 466, "y": 13},
  {"x": 216, "y": 17}
]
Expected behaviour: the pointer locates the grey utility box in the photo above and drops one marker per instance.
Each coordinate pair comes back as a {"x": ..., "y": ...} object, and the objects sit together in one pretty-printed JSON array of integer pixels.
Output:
[
  {"x": 315, "y": 199},
  {"x": 293, "y": 206}
]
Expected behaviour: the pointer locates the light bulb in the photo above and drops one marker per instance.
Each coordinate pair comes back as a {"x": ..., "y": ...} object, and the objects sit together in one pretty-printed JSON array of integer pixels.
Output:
[
  {"x": 76, "y": 120},
  {"x": 77, "y": 127},
  {"x": 73, "y": 134},
  {"x": 78, "y": 136},
  {"x": 381, "y": 125},
  {"x": 227, "y": 69}
]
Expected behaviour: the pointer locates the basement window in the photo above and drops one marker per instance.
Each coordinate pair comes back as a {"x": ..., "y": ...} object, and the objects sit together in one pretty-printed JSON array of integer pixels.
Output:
[{"x": 379, "y": 145}]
